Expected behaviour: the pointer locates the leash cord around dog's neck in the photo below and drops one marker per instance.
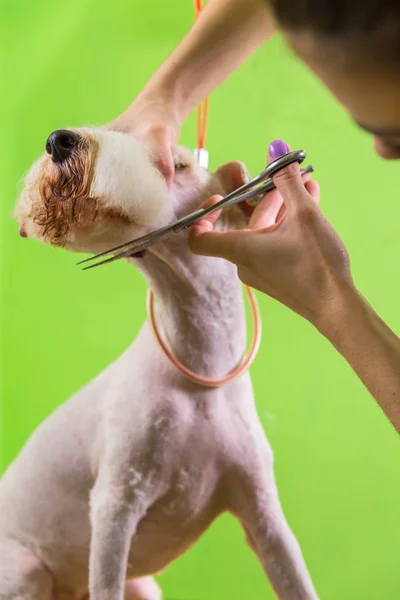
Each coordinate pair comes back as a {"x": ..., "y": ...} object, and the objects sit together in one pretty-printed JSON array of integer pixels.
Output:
[{"x": 200, "y": 380}]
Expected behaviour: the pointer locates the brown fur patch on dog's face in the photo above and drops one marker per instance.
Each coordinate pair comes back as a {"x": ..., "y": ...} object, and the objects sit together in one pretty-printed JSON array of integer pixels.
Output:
[{"x": 64, "y": 190}]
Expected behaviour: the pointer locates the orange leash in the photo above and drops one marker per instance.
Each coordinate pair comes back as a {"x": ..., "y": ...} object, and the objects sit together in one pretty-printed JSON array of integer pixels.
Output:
[
  {"x": 201, "y": 153},
  {"x": 202, "y": 110},
  {"x": 205, "y": 381},
  {"x": 202, "y": 158}
]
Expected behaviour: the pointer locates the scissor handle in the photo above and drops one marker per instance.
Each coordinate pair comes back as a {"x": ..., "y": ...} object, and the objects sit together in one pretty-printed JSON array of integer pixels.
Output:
[{"x": 280, "y": 163}]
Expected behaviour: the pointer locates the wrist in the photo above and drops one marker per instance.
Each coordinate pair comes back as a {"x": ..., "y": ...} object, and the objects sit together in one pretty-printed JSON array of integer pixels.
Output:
[
  {"x": 164, "y": 92},
  {"x": 152, "y": 112},
  {"x": 343, "y": 313}
]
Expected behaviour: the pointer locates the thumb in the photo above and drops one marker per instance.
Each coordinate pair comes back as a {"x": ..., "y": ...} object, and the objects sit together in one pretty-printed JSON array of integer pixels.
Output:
[
  {"x": 204, "y": 240},
  {"x": 288, "y": 180},
  {"x": 222, "y": 244}
]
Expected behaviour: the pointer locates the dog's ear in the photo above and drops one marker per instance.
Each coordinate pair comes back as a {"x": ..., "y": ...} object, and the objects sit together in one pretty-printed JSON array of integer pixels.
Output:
[{"x": 232, "y": 175}]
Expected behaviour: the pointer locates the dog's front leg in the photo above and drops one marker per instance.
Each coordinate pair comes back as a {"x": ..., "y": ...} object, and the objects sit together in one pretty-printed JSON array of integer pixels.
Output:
[
  {"x": 114, "y": 518},
  {"x": 257, "y": 506}
]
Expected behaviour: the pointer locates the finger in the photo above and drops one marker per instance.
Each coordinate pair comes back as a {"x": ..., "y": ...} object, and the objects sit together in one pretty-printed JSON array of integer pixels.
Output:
[
  {"x": 210, "y": 202},
  {"x": 270, "y": 210},
  {"x": 313, "y": 189},
  {"x": 266, "y": 212},
  {"x": 166, "y": 166},
  {"x": 207, "y": 224},
  {"x": 228, "y": 244},
  {"x": 160, "y": 147},
  {"x": 288, "y": 180}
]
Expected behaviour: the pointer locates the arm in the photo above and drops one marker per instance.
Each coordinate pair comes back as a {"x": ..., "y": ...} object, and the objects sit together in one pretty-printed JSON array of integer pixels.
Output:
[
  {"x": 293, "y": 254},
  {"x": 369, "y": 346},
  {"x": 225, "y": 35}
]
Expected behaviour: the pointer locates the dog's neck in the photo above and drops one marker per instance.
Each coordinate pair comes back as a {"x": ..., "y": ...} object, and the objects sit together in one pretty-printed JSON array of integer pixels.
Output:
[{"x": 200, "y": 306}]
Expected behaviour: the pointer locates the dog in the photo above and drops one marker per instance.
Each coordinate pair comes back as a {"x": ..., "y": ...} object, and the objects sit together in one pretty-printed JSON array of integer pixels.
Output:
[{"x": 126, "y": 475}]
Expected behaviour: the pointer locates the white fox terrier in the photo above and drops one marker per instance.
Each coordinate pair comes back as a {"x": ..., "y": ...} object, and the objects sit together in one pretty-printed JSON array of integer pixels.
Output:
[{"x": 129, "y": 472}]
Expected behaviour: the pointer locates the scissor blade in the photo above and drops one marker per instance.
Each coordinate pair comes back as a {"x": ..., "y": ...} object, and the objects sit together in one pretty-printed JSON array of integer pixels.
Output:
[
  {"x": 104, "y": 262},
  {"x": 129, "y": 250},
  {"x": 133, "y": 243}
]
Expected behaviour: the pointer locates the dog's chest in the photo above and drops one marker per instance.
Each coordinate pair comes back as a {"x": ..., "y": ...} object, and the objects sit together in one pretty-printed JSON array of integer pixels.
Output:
[{"x": 172, "y": 523}]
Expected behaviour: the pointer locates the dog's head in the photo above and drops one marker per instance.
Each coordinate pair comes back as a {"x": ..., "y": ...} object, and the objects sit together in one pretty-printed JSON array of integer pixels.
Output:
[{"x": 96, "y": 188}]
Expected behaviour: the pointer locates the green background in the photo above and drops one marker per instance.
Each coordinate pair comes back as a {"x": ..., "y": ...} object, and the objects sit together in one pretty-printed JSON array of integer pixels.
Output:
[{"x": 337, "y": 458}]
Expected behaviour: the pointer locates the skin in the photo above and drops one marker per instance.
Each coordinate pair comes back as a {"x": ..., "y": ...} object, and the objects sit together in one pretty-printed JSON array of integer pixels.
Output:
[{"x": 313, "y": 277}]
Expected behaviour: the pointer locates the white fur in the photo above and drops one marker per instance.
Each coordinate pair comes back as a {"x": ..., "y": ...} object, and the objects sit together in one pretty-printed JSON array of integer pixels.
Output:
[
  {"x": 130, "y": 471},
  {"x": 124, "y": 172}
]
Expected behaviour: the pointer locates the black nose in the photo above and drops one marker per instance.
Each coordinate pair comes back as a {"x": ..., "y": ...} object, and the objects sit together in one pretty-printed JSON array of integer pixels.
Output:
[{"x": 61, "y": 143}]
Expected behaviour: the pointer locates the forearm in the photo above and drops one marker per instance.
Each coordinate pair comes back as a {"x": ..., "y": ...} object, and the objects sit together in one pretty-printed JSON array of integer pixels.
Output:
[
  {"x": 225, "y": 35},
  {"x": 369, "y": 346}
]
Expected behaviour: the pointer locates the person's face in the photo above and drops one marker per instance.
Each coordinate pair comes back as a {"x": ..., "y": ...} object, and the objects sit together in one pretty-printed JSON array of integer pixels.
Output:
[{"x": 372, "y": 98}]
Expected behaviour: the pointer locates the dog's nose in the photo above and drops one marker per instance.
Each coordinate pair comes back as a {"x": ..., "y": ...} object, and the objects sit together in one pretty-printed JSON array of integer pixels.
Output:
[{"x": 60, "y": 144}]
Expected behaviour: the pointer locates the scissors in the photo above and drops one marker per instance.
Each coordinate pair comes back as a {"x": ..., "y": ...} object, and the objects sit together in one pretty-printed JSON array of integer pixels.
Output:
[{"x": 256, "y": 188}]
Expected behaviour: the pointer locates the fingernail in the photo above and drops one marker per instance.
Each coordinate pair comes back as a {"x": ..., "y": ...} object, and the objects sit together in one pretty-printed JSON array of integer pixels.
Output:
[{"x": 277, "y": 148}]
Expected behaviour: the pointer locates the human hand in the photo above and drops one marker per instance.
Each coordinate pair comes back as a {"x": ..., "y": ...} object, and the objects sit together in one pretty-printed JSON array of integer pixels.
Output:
[
  {"x": 155, "y": 124},
  {"x": 289, "y": 251}
]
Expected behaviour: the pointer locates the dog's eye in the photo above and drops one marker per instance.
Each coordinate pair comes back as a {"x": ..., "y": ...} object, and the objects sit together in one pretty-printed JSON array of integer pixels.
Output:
[{"x": 180, "y": 166}]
